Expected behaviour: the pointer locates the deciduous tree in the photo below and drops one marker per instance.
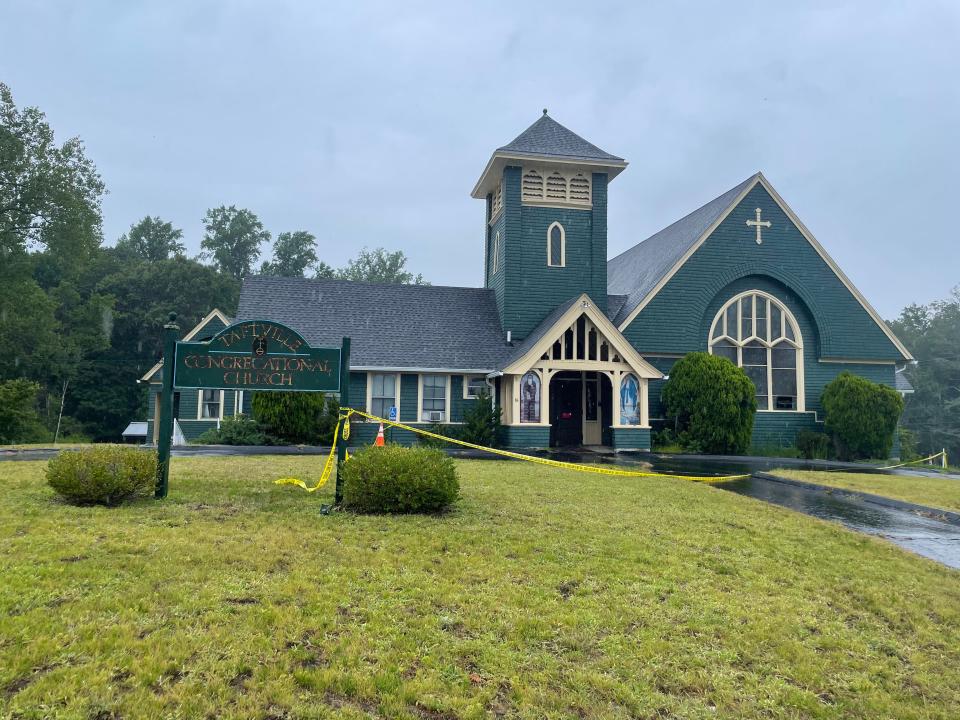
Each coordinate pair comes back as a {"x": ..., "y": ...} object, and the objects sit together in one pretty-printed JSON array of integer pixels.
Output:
[
  {"x": 49, "y": 193},
  {"x": 293, "y": 254},
  {"x": 380, "y": 266},
  {"x": 232, "y": 239},
  {"x": 152, "y": 239}
]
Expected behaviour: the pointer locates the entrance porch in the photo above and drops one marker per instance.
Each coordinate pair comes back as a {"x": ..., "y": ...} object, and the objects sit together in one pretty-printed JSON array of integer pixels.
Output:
[{"x": 576, "y": 382}]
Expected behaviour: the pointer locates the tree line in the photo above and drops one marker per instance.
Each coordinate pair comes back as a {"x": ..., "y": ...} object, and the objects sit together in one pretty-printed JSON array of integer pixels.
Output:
[{"x": 80, "y": 321}]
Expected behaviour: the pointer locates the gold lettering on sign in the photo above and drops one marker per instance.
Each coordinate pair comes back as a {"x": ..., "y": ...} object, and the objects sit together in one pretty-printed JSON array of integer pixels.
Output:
[{"x": 265, "y": 331}]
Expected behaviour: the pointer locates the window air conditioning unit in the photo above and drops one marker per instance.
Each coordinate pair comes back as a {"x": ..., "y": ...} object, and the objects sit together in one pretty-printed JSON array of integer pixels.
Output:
[{"x": 436, "y": 416}]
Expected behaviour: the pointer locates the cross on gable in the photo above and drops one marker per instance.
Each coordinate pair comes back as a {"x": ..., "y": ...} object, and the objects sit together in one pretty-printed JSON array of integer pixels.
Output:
[{"x": 759, "y": 224}]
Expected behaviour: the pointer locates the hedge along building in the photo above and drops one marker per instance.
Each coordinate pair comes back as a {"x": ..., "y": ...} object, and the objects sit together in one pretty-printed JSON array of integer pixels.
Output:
[{"x": 574, "y": 348}]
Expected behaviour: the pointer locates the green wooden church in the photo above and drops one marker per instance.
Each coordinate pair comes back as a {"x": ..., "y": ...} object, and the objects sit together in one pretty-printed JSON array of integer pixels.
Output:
[{"x": 574, "y": 347}]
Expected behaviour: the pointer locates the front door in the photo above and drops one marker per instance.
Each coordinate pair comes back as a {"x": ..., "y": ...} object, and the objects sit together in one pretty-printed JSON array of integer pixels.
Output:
[
  {"x": 566, "y": 410},
  {"x": 592, "y": 434}
]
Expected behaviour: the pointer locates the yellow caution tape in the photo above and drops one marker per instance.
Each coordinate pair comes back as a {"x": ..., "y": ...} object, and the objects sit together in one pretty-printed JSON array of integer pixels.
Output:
[
  {"x": 327, "y": 467},
  {"x": 543, "y": 461},
  {"x": 345, "y": 424},
  {"x": 942, "y": 453}
]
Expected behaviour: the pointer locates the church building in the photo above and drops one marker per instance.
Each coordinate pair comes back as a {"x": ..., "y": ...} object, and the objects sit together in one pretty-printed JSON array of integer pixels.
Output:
[{"x": 575, "y": 347}]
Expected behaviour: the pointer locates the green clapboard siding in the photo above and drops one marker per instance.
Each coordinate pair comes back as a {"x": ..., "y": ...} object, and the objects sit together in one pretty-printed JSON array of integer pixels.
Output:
[
  {"x": 409, "y": 387},
  {"x": 527, "y": 289},
  {"x": 358, "y": 390},
  {"x": 630, "y": 438},
  {"x": 673, "y": 321},
  {"x": 513, "y": 436}
]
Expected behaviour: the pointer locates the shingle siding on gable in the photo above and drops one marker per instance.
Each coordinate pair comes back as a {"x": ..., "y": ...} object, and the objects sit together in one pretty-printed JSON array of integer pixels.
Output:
[
  {"x": 531, "y": 289},
  {"x": 673, "y": 320}
]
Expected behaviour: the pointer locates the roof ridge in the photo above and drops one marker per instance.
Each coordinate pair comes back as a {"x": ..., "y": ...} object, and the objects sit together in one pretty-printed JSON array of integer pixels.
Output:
[
  {"x": 692, "y": 212},
  {"x": 363, "y": 282}
]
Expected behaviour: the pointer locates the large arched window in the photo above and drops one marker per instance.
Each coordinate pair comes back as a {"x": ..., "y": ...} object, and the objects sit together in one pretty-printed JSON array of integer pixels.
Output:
[
  {"x": 757, "y": 332},
  {"x": 556, "y": 246}
]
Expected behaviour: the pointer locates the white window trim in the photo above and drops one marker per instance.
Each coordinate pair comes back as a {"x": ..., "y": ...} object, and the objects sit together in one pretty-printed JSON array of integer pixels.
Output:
[
  {"x": 495, "y": 264},
  {"x": 563, "y": 245},
  {"x": 466, "y": 385},
  {"x": 797, "y": 343},
  {"x": 200, "y": 406},
  {"x": 396, "y": 391},
  {"x": 447, "y": 412}
]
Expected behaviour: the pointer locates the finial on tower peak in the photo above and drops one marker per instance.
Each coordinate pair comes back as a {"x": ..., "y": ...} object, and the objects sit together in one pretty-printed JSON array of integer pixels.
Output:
[{"x": 544, "y": 111}]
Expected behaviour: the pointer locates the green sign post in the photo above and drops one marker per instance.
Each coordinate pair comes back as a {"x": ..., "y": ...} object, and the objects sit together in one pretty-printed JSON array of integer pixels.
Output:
[{"x": 248, "y": 355}]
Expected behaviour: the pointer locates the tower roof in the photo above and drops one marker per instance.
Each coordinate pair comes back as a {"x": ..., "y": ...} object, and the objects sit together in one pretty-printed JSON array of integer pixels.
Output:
[
  {"x": 547, "y": 137},
  {"x": 550, "y": 142}
]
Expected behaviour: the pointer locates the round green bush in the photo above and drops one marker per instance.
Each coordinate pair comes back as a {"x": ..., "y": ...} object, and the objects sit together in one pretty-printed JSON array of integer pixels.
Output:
[
  {"x": 102, "y": 475},
  {"x": 861, "y": 416},
  {"x": 395, "y": 479},
  {"x": 710, "y": 403}
]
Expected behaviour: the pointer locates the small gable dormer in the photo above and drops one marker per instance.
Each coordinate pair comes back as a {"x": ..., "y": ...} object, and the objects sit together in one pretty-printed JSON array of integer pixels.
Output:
[{"x": 546, "y": 230}]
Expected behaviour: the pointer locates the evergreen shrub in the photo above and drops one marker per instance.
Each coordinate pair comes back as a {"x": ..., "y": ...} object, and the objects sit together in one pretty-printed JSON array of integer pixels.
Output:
[
  {"x": 297, "y": 417},
  {"x": 710, "y": 404},
  {"x": 105, "y": 475},
  {"x": 236, "y": 430},
  {"x": 19, "y": 420},
  {"x": 813, "y": 445},
  {"x": 395, "y": 479},
  {"x": 908, "y": 444},
  {"x": 481, "y": 422},
  {"x": 861, "y": 416}
]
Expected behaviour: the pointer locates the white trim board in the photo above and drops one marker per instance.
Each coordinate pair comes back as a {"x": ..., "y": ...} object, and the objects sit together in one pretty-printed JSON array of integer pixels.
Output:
[
  {"x": 824, "y": 255},
  {"x": 215, "y": 313},
  {"x": 583, "y": 305}
]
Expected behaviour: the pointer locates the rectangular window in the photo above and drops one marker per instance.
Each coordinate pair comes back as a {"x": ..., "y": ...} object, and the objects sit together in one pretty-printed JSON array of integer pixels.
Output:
[
  {"x": 434, "y": 408},
  {"x": 383, "y": 394},
  {"x": 473, "y": 385},
  {"x": 209, "y": 403}
]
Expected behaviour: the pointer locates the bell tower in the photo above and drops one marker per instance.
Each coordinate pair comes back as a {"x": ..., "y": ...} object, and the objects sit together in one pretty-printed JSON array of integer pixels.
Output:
[{"x": 546, "y": 223}]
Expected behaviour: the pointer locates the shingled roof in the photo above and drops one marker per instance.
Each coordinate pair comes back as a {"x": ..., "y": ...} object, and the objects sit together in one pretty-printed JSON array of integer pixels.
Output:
[
  {"x": 637, "y": 271},
  {"x": 423, "y": 327},
  {"x": 548, "y": 137}
]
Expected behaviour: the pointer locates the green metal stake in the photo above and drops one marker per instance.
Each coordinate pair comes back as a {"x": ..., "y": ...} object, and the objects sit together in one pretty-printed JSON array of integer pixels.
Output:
[
  {"x": 171, "y": 332},
  {"x": 344, "y": 402}
]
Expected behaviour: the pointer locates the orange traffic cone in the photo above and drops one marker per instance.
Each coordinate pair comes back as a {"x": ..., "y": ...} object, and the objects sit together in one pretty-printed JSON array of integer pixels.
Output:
[{"x": 379, "y": 441}]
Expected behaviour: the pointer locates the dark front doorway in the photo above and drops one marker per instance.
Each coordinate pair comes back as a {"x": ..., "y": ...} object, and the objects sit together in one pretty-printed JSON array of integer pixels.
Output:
[{"x": 566, "y": 410}]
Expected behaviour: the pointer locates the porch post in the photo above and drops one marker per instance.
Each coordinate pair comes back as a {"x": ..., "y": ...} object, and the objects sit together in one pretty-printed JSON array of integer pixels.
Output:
[
  {"x": 615, "y": 379},
  {"x": 545, "y": 396},
  {"x": 644, "y": 403}
]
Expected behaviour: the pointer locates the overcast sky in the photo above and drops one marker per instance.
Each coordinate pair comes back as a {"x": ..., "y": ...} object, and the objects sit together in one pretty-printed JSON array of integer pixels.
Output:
[{"x": 368, "y": 123}]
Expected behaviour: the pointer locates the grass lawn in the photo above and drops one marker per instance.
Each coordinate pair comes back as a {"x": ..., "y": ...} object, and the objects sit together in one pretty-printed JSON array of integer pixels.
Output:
[
  {"x": 546, "y": 593},
  {"x": 941, "y": 493}
]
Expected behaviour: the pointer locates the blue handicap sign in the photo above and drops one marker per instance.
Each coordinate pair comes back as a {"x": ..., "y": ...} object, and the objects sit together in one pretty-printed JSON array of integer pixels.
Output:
[{"x": 392, "y": 415}]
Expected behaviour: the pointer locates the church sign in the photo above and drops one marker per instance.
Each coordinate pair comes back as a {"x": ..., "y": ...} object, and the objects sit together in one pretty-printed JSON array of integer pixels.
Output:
[
  {"x": 248, "y": 355},
  {"x": 257, "y": 355}
]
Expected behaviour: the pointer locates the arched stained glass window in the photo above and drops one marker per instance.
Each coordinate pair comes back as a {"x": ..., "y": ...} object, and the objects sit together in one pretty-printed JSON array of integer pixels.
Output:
[
  {"x": 629, "y": 401},
  {"x": 556, "y": 249},
  {"x": 757, "y": 332},
  {"x": 530, "y": 398}
]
